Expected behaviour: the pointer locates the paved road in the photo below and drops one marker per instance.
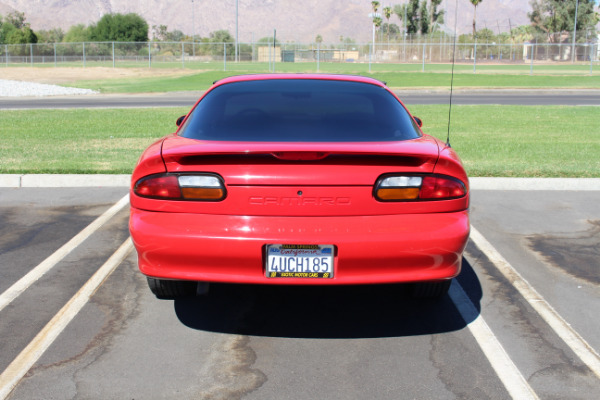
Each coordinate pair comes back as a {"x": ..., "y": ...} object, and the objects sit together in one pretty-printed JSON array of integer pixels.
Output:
[
  {"x": 187, "y": 99},
  {"x": 484, "y": 340}
]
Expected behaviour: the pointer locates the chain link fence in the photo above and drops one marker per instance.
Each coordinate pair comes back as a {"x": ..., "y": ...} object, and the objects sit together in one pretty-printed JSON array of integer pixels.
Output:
[{"x": 193, "y": 55}]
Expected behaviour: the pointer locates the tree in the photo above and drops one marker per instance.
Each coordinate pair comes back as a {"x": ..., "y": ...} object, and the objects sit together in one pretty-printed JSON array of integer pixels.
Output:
[
  {"x": 391, "y": 30},
  {"x": 268, "y": 40},
  {"x": 436, "y": 16},
  {"x": 120, "y": 28},
  {"x": 387, "y": 12},
  {"x": 400, "y": 11},
  {"x": 412, "y": 17},
  {"x": 375, "y": 5},
  {"x": 16, "y": 19},
  {"x": 376, "y": 18},
  {"x": 21, "y": 36},
  {"x": 77, "y": 33},
  {"x": 522, "y": 33},
  {"x": 14, "y": 30},
  {"x": 475, "y": 4},
  {"x": 219, "y": 37},
  {"x": 555, "y": 18},
  {"x": 162, "y": 34},
  {"x": 54, "y": 35},
  {"x": 420, "y": 17},
  {"x": 159, "y": 32},
  {"x": 319, "y": 39},
  {"x": 424, "y": 18}
]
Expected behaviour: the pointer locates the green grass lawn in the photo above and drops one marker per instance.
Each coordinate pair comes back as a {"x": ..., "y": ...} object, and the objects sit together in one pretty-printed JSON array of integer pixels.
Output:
[
  {"x": 396, "y": 75},
  {"x": 520, "y": 141},
  {"x": 522, "y": 68},
  {"x": 523, "y": 141},
  {"x": 80, "y": 140}
]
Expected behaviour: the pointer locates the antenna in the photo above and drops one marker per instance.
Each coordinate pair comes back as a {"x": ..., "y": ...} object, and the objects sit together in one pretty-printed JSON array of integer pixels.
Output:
[{"x": 452, "y": 76}]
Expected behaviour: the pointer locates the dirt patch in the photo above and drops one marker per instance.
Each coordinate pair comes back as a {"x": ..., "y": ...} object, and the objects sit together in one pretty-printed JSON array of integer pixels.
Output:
[{"x": 62, "y": 75}]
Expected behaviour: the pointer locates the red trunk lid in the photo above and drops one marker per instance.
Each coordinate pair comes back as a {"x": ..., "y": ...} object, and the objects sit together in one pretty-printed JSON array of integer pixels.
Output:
[{"x": 306, "y": 179}]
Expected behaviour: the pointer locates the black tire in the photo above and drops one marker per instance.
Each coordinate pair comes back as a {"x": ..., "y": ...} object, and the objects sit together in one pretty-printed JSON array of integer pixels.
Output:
[
  {"x": 431, "y": 290},
  {"x": 165, "y": 289}
]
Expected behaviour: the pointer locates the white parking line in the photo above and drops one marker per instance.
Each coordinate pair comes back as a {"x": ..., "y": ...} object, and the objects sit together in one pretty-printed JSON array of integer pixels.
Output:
[
  {"x": 36, "y": 348},
  {"x": 580, "y": 347},
  {"x": 507, "y": 371},
  {"x": 32, "y": 276}
]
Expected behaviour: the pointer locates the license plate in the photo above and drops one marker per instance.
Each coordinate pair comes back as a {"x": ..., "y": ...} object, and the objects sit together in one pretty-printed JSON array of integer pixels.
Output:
[{"x": 299, "y": 261}]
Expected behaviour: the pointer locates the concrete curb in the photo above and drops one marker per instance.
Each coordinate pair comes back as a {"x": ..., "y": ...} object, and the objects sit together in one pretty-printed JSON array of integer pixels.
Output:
[
  {"x": 70, "y": 180},
  {"x": 480, "y": 183},
  {"x": 579, "y": 184}
]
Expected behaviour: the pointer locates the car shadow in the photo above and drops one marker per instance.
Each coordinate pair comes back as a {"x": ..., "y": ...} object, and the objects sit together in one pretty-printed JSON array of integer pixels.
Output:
[{"x": 331, "y": 312}]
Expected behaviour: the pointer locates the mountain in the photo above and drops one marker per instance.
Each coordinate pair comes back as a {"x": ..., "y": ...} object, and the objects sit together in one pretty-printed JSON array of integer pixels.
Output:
[{"x": 299, "y": 21}]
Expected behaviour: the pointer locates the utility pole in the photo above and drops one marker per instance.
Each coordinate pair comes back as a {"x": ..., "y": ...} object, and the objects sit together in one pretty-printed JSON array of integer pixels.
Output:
[
  {"x": 193, "y": 30},
  {"x": 574, "y": 32},
  {"x": 236, "y": 31}
]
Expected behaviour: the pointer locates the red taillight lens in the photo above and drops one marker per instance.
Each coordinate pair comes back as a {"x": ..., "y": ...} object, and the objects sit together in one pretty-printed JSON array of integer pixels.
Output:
[
  {"x": 437, "y": 187},
  {"x": 418, "y": 187},
  {"x": 165, "y": 187}
]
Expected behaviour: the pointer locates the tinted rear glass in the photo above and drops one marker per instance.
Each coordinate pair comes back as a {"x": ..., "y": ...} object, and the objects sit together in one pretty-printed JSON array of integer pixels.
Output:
[{"x": 300, "y": 110}]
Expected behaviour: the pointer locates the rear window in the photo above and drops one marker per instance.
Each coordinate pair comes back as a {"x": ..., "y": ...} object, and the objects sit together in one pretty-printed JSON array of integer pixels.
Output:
[{"x": 299, "y": 110}]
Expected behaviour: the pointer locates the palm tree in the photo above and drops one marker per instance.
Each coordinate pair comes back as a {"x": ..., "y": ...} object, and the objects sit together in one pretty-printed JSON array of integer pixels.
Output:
[
  {"x": 376, "y": 19},
  {"x": 375, "y": 5},
  {"x": 475, "y": 4},
  {"x": 387, "y": 12}
]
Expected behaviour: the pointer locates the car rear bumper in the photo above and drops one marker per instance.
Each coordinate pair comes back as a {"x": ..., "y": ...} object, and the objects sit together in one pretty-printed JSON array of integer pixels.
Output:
[{"x": 371, "y": 249}]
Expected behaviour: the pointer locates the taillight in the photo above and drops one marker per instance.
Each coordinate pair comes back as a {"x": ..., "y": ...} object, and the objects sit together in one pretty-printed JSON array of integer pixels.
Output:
[
  {"x": 418, "y": 187},
  {"x": 437, "y": 187},
  {"x": 202, "y": 187}
]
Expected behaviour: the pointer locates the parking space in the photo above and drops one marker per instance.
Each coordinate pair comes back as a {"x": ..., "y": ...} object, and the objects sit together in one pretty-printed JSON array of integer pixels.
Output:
[{"x": 484, "y": 340}]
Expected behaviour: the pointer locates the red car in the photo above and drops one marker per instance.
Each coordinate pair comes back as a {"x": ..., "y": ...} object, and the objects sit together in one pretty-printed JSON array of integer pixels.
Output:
[{"x": 299, "y": 179}]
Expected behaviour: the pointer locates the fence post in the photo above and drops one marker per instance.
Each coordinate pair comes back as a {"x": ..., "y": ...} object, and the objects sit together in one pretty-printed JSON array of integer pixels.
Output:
[
  {"x": 6, "y": 52},
  {"x": 83, "y": 43},
  {"x": 224, "y": 56},
  {"x": 475, "y": 57},
  {"x": 318, "y": 55},
  {"x": 370, "y": 56},
  {"x": 423, "y": 61},
  {"x": 113, "y": 53},
  {"x": 532, "y": 55},
  {"x": 55, "y": 55},
  {"x": 149, "y": 56},
  {"x": 31, "y": 52},
  {"x": 182, "y": 56}
]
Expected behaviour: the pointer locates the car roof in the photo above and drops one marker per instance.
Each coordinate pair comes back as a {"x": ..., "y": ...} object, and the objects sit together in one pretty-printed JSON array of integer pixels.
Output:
[{"x": 300, "y": 76}]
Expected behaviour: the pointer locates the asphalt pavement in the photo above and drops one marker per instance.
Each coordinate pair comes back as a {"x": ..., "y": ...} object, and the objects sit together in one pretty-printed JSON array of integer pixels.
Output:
[
  {"x": 571, "y": 97},
  {"x": 491, "y": 337}
]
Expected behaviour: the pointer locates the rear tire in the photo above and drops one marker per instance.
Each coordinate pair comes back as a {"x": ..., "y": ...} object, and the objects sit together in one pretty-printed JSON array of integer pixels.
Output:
[
  {"x": 166, "y": 289},
  {"x": 431, "y": 290}
]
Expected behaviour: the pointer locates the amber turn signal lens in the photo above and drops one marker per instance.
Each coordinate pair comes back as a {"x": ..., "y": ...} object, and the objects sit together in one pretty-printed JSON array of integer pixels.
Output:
[
  {"x": 202, "y": 193},
  {"x": 398, "y": 193}
]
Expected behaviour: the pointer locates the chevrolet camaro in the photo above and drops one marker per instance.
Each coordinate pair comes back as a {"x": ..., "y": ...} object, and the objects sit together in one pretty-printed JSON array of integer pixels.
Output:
[{"x": 299, "y": 179}]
